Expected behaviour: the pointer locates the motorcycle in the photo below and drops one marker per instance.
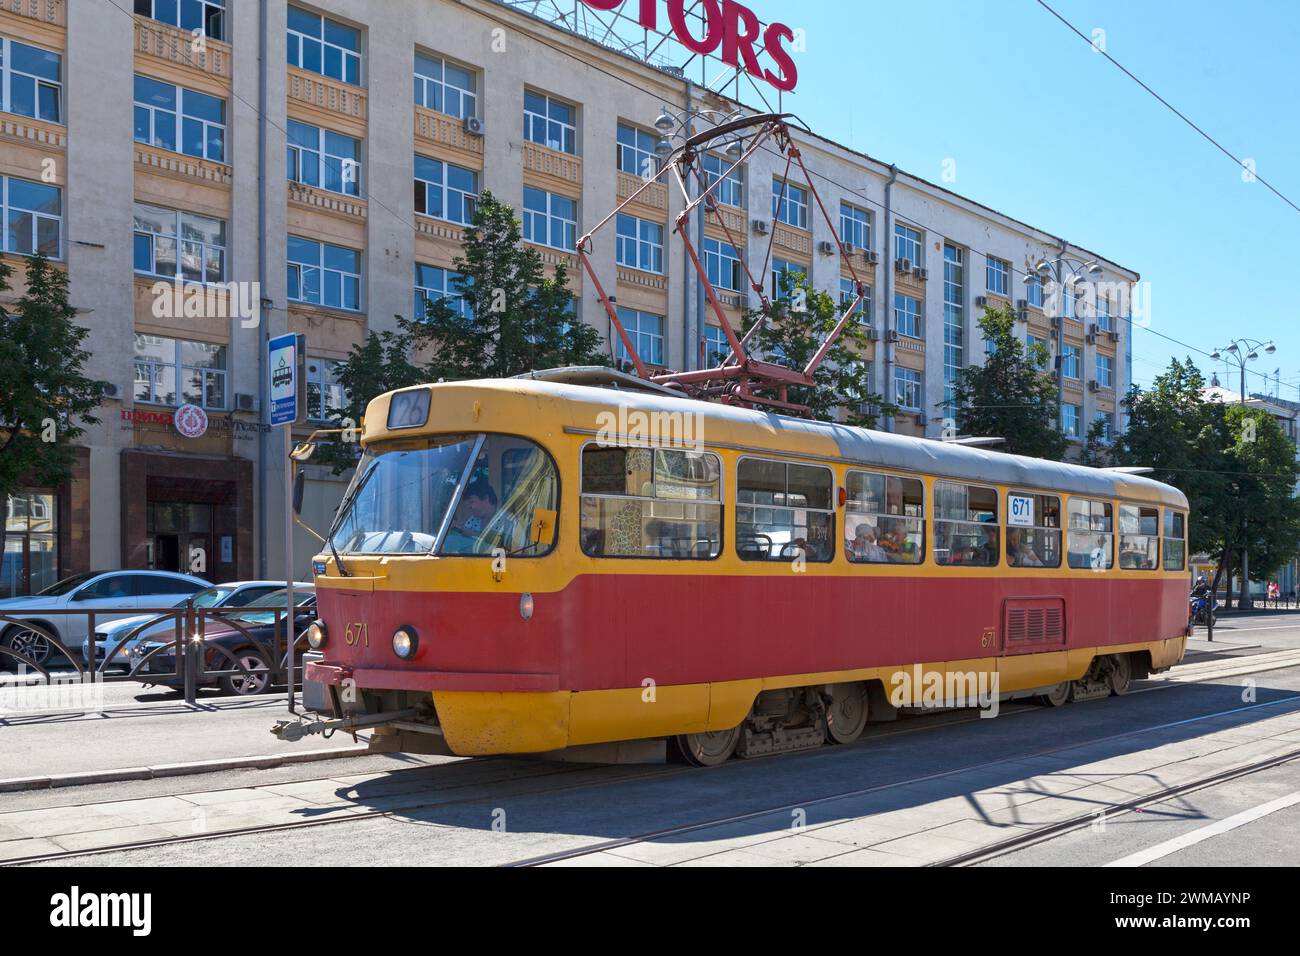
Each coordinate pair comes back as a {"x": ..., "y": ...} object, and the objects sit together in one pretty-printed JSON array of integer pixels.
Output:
[{"x": 1203, "y": 610}]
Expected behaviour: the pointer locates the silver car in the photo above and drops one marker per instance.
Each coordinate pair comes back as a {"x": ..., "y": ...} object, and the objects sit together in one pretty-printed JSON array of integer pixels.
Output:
[
  {"x": 109, "y": 595},
  {"x": 231, "y": 594}
]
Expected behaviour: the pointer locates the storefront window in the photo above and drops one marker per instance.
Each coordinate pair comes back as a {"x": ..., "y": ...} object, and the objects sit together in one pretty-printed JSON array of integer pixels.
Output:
[{"x": 30, "y": 562}]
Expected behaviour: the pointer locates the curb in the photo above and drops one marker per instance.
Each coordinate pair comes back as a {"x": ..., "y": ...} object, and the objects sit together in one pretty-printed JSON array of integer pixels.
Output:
[{"x": 18, "y": 784}]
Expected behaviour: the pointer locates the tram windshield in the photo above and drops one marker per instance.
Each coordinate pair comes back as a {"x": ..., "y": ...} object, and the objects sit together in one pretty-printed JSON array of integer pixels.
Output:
[{"x": 479, "y": 493}]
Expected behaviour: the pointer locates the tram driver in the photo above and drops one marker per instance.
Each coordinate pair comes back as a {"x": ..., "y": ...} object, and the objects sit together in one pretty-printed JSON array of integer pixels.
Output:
[{"x": 481, "y": 504}]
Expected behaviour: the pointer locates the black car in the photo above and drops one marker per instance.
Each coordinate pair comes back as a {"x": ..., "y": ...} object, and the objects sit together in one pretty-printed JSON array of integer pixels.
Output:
[{"x": 250, "y": 646}]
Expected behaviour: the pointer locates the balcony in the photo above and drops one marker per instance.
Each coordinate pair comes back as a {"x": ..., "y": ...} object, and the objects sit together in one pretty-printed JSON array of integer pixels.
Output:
[
  {"x": 438, "y": 129},
  {"x": 165, "y": 43}
]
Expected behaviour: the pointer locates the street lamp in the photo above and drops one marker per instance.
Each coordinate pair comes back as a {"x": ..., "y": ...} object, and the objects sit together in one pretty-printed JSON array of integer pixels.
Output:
[
  {"x": 1235, "y": 349},
  {"x": 1054, "y": 270}
]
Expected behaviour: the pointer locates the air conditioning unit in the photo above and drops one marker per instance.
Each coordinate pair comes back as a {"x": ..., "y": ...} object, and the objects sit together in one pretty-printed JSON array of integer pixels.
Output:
[
  {"x": 871, "y": 334},
  {"x": 981, "y": 302},
  {"x": 921, "y": 274},
  {"x": 867, "y": 408},
  {"x": 762, "y": 227},
  {"x": 245, "y": 402},
  {"x": 1090, "y": 338},
  {"x": 826, "y": 248},
  {"x": 922, "y": 419},
  {"x": 1094, "y": 386},
  {"x": 1022, "y": 304},
  {"x": 1092, "y": 330},
  {"x": 1056, "y": 323},
  {"x": 473, "y": 126},
  {"x": 1114, "y": 336},
  {"x": 902, "y": 265},
  {"x": 892, "y": 335},
  {"x": 872, "y": 257},
  {"x": 111, "y": 390}
]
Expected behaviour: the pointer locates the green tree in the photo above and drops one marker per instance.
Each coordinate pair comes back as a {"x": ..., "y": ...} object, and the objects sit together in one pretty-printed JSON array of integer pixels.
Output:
[
  {"x": 793, "y": 328},
  {"x": 1011, "y": 396},
  {"x": 45, "y": 397},
  {"x": 516, "y": 319}
]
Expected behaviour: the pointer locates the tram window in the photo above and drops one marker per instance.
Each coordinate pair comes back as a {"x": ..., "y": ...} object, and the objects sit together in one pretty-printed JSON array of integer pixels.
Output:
[
  {"x": 1175, "y": 540},
  {"x": 966, "y": 525},
  {"x": 1091, "y": 534},
  {"x": 1033, "y": 530},
  {"x": 651, "y": 503},
  {"x": 884, "y": 519},
  {"x": 510, "y": 482},
  {"x": 783, "y": 511},
  {"x": 1139, "y": 538}
]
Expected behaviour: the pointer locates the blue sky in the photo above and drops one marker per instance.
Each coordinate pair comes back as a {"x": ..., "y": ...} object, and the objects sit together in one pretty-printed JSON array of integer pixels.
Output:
[{"x": 1045, "y": 130}]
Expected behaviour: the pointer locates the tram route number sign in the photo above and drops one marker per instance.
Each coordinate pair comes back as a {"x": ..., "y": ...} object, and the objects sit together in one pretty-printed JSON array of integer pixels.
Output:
[
  {"x": 283, "y": 353},
  {"x": 1020, "y": 511}
]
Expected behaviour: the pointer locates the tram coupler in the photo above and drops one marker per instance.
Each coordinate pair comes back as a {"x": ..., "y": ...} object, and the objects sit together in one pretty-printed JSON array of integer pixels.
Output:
[{"x": 295, "y": 730}]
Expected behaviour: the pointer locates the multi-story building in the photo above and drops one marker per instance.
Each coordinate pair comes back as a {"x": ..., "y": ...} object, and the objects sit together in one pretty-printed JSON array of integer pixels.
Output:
[{"x": 212, "y": 173}]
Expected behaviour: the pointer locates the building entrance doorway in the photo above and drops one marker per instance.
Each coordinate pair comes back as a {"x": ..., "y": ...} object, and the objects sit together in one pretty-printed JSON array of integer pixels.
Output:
[{"x": 180, "y": 537}]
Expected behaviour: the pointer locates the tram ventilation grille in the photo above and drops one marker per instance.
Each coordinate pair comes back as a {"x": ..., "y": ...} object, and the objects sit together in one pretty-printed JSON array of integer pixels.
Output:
[{"x": 1035, "y": 622}]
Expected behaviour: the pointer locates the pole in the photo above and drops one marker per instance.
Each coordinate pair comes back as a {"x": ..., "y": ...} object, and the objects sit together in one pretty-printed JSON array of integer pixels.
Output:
[{"x": 290, "y": 627}]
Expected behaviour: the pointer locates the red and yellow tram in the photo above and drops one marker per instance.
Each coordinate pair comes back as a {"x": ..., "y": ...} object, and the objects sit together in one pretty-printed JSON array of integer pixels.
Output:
[{"x": 533, "y": 566}]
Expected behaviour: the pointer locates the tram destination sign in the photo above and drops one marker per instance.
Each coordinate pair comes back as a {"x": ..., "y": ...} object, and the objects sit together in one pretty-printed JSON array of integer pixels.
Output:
[{"x": 723, "y": 27}]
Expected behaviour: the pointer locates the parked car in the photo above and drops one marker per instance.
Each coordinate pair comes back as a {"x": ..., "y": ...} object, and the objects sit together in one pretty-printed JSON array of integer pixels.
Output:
[
  {"x": 111, "y": 595},
  {"x": 232, "y": 594},
  {"x": 160, "y": 669}
]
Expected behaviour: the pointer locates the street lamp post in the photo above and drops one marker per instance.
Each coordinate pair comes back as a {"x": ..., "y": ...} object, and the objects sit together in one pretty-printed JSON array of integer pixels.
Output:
[
  {"x": 1243, "y": 352},
  {"x": 1053, "y": 270}
]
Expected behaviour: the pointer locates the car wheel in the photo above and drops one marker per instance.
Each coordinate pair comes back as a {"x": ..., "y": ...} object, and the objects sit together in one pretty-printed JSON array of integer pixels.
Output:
[
  {"x": 245, "y": 684},
  {"x": 32, "y": 644}
]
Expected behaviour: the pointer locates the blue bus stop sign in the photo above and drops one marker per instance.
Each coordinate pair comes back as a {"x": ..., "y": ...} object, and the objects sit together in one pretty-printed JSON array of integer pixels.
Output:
[{"x": 282, "y": 366}]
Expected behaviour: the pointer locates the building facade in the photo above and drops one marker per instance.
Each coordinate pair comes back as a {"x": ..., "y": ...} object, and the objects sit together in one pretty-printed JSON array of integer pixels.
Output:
[{"x": 212, "y": 173}]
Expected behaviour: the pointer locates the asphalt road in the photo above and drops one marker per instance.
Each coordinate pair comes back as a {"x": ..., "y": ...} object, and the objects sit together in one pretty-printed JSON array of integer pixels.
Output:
[{"x": 918, "y": 792}]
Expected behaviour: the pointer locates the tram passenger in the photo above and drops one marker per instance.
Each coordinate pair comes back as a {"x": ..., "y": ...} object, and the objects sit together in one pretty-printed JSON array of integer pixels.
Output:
[
  {"x": 864, "y": 547},
  {"x": 985, "y": 555},
  {"x": 1020, "y": 553}
]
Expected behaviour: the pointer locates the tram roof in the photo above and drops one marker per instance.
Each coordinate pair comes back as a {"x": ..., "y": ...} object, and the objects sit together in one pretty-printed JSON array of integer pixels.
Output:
[{"x": 758, "y": 432}]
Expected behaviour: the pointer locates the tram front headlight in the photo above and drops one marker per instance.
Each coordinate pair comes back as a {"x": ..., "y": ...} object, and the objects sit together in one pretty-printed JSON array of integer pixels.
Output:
[
  {"x": 405, "y": 643},
  {"x": 316, "y": 635}
]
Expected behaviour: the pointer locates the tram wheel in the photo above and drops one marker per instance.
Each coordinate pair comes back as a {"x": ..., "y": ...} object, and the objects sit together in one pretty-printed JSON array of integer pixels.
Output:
[
  {"x": 1058, "y": 696},
  {"x": 1121, "y": 674},
  {"x": 846, "y": 712},
  {"x": 710, "y": 749}
]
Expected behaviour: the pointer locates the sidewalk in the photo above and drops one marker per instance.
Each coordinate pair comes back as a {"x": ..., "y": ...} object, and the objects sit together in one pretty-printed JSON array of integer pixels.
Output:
[{"x": 144, "y": 740}]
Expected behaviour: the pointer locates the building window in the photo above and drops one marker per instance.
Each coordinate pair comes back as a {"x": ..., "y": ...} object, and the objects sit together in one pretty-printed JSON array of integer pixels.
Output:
[
  {"x": 199, "y": 367},
  {"x": 550, "y": 220},
  {"x": 1104, "y": 322},
  {"x": 433, "y": 283},
  {"x": 855, "y": 227},
  {"x": 179, "y": 245},
  {"x": 550, "y": 122},
  {"x": 180, "y": 120},
  {"x": 322, "y": 274},
  {"x": 636, "y": 152},
  {"x": 790, "y": 204},
  {"x": 722, "y": 264},
  {"x": 324, "y": 392},
  {"x": 998, "y": 274},
  {"x": 647, "y": 334},
  {"x": 324, "y": 159},
  {"x": 1107, "y": 426},
  {"x": 1042, "y": 356},
  {"x": 1105, "y": 371},
  {"x": 1034, "y": 291},
  {"x": 954, "y": 322},
  {"x": 445, "y": 191},
  {"x": 32, "y": 80},
  {"x": 907, "y": 245},
  {"x": 907, "y": 315},
  {"x": 1070, "y": 420},
  {"x": 640, "y": 244},
  {"x": 732, "y": 190},
  {"x": 320, "y": 45},
  {"x": 197, "y": 17},
  {"x": 33, "y": 217},
  {"x": 786, "y": 276},
  {"x": 1070, "y": 361},
  {"x": 716, "y": 346},
  {"x": 445, "y": 87},
  {"x": 907, "y": 389},
  {"x": 849, "y": 292},
  {"x": 29, "y": 563}
]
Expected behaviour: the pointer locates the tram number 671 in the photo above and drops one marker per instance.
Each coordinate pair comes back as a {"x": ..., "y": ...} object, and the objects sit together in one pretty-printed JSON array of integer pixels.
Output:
[{"x": 355, "y": 634}]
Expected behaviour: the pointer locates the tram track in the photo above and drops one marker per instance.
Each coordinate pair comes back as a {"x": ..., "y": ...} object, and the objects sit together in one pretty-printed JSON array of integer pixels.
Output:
[{"x": 604, "y": 777}]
